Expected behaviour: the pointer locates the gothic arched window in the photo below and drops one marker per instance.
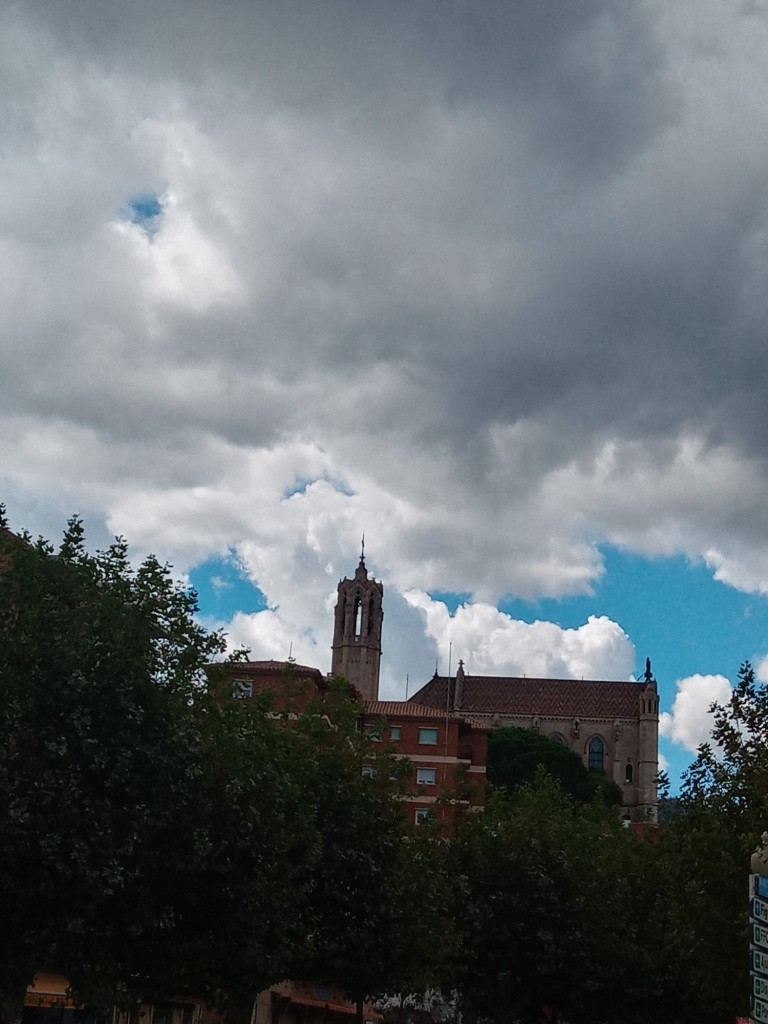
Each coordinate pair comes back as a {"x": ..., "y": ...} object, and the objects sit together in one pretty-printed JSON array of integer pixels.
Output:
[
  {"x": 595, "y": 754},
  {"x": 628, "y": 773},
  {"x": 557, "y": 738}
]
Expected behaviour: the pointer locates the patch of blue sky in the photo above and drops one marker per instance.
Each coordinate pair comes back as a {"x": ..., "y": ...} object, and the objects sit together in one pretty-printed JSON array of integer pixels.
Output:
[
  {"x": 452, "y": 601},
  {"x": 223, "y": 589},
  {"x": 145, "y": 210},
  {"x": 300, "y": 485},
  {"x": 674, "y": 612}
]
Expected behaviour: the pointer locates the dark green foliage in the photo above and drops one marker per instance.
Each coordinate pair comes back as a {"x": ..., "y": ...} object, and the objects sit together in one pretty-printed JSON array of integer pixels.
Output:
[
  {"x": 146, "y": 842},
  {"x": 716, "y": 825},
  {"x": 516, "y": 755},
  {"x": 548, "y": 892},
  {"x": 379, "y": 900},
  {"x": 158, "y": 835}
]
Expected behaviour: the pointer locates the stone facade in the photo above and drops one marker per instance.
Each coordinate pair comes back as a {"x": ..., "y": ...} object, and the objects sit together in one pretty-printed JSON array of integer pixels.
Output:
[
  {"x": 612, "y": 725},
  {"x": 357, "y": 632}
]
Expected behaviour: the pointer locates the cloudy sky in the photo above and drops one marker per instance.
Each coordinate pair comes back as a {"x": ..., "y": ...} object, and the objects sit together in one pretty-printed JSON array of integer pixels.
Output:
[{"x": 484, "y": 280}]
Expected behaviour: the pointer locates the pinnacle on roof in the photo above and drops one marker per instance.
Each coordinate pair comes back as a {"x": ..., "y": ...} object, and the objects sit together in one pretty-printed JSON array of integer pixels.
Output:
[{"x": 361, "y": 572}]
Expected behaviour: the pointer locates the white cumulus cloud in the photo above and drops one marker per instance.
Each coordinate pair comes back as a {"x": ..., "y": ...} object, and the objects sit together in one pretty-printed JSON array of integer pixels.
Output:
[
  {"x": 490, "y": 642},
  {"x": 689, "y": 724}
]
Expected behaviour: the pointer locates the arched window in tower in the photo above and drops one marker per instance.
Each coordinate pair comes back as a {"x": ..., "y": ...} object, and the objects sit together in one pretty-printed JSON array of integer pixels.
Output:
[
  {"x": 596, "y": 754},
  {"x": 628, "y": 773},
  {"x": 358, "y": 616},
  {"x": 370, "y": 616}
]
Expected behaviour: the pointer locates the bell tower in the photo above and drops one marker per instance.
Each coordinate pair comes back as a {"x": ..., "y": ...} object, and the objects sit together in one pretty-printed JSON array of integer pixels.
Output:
[{"x": 357, "y": 632}]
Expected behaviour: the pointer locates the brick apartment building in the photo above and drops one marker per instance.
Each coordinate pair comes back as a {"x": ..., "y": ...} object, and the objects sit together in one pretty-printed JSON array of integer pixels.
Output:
[{"x": 448, "y": 753}]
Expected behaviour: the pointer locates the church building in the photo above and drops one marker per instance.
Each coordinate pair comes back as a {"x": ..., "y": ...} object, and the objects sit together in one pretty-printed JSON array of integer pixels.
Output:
[{"x": 613, "y": 725}]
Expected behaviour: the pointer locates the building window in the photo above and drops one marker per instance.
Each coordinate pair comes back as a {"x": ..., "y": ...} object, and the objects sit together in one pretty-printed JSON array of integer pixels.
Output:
[
  {"x": 394, "y": 732},
  {"x": 242, "y": 689},
  {"x": 370, "y": 772},
  {"x": 426, "y": 776},
  {"x": 428, "y": 736},
  {"x": 422, "y": 814},
  {"x": 628, "y": 773},
  {"x": 596, "y": 754},
  {"x": 557, "y": 738},
  {"x": 373, "y": 730}
]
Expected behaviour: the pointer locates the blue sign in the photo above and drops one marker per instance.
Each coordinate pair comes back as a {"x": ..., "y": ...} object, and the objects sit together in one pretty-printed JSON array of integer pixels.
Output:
[
  {"x": 760, "y": 910},
  {"x": 760, "y": 886}
]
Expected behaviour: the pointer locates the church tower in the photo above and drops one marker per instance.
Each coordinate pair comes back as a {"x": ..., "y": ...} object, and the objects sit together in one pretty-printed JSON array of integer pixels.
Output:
[
  {"x": 357, "y": 632},
  {"x": 648, "y": 745}
]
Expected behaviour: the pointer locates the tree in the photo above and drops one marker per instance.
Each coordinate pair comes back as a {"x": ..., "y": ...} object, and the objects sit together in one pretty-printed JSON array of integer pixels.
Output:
[
  {"x": 147, "y": 836},
  {"x": 377, "y": 912},
  {"x": 547, "y": 895},
  {"x": 158, "y": 835},
  {"x": 704, "y": 856},
  {"x": 515, "y": 755}
]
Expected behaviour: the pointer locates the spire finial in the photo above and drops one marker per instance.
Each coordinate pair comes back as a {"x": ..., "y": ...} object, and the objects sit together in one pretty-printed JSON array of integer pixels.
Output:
[
  {"x": 648, "y": 673},
  {"x": 362, "y": 550}
]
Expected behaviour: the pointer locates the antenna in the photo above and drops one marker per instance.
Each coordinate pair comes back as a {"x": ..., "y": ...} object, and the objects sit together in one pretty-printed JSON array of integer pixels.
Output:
[
  {"x": 407, "y": 677},
  {"x": 447, "y": 712},
  {"x": 448, "y": 687}
]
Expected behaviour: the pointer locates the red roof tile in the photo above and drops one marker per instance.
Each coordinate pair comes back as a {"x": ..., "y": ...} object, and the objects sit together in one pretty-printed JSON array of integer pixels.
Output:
[
  {"x": 277, "y": 668},
  {"x": 400, "y": 708},
  {"x": 550, "y": 698}
]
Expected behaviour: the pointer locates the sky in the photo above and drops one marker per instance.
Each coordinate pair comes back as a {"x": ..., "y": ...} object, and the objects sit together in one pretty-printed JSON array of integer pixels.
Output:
[{"x": 485, "y": 282}]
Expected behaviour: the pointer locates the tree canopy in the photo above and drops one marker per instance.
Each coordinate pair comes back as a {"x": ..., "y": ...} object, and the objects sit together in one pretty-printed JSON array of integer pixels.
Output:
[
  {"x": 135, "y": 807},
  {"x": 547, "y": 893},
  {"x": 158, "y": 835},
  {"x": 516, "y": 755}
]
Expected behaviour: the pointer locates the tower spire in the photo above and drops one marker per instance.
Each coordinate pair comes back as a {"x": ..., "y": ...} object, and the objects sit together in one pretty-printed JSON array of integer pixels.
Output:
[{"x": 357, "y": 630}]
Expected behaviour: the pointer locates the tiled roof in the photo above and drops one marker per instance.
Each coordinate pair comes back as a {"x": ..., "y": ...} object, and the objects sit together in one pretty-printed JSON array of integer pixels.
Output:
[
  {"x": 550, "y": 698},
  {"x": 283, "y": 678},
  {"x": 277, "y": 668},
  {"x": 394, "y": 708}
]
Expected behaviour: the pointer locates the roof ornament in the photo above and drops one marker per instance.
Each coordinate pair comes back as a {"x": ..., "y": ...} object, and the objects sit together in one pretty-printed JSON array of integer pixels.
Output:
[
  {"x": 648, "y": 674},
  {"x": 458, "y": 690},
  {"x": 361, "y": 573}
]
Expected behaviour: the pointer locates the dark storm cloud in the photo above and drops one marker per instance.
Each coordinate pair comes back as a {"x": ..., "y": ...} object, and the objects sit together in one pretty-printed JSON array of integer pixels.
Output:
[{"x": 461, "y": 248}]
